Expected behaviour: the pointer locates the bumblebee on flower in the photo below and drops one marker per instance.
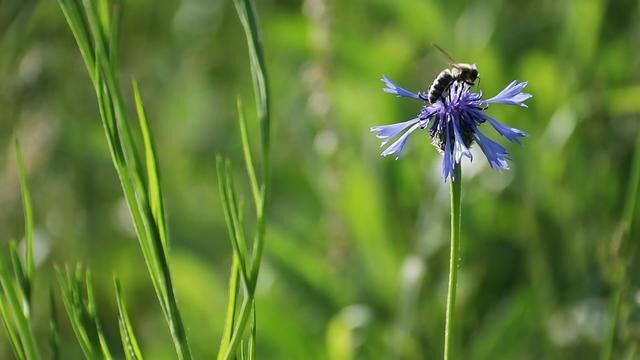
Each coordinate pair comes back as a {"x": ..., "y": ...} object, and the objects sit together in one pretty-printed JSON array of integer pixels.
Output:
[{"x": 452, "y": 122}]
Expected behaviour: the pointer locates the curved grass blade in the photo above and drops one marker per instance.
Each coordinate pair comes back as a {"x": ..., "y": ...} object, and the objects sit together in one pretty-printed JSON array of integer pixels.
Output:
[
  {"x": 129, "y": 341},
  {"x": 93, "y": 29},
  {"x": 15, "y": 309},
  {"x": 231, "y": 306},
  {"x": 246, "y": 150},
  {"x": 153, "y": 179},
  {"x": 628, "y": 250},
  {"x": 15, "y": 315},
  {"x": 19, "y": 271},
  {"x": 12, "y": 334},
  {"x": 247, "y": 14},
  {"x": 54, "y": 328},
  {"x": 28, "y": 223},
  {"x": 79, "y": 302}
]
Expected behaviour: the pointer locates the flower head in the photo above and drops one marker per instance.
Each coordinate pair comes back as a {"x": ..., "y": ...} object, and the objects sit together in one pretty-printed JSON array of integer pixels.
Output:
[{"x": 453, "y": 122}]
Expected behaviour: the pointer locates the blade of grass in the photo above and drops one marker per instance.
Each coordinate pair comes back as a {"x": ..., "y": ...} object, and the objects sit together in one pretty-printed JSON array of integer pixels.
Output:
[
  {"x": 15, "y": 312},
  {"x": 231, "y": 306},
  {"x": 252, "y": 337},
  {"x": 91, "y": 307},
  {"x": 229, "y": 215},
  {"x": 236, "y": 213},
  {"x": 114, "y": 32},
  {"x": 106, "y": 110},
  {"x": 129, "y": 341},
  {"x": 15, "y": 296},
  {"x": 69, "y": 300},
  {"x": 19, "y": 271},
  {"x": 72, "y": 13},
  {"x": 79, "y": 303},
  {"x": 14, "y": 340},
  {"x": 54, "y": 328},
  {"x": 628, "y": 249},
  {"x": 247, "y": 15},
  {"x": 155, "y": 197},
  {"x": 150, "y": 229},
  {"x": 238, "y": 332},
  {"x": 246, "y": 150},
  {"x": 28, "y": 222}
]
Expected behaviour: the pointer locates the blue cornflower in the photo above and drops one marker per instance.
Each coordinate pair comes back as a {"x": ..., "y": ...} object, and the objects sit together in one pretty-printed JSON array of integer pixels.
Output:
[{"x": 453, "y": 124}]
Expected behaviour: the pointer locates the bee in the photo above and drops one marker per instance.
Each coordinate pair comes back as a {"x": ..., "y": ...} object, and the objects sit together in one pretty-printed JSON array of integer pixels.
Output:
[{"x": 467, "y": 73}]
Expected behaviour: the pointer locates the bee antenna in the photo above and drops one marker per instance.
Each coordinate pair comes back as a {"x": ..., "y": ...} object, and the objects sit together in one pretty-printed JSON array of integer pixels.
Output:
[{"x": 446, "y": 54}]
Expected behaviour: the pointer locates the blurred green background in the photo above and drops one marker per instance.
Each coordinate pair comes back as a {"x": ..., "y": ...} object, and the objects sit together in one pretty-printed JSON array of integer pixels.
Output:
[{"x": 357, "y": 245}]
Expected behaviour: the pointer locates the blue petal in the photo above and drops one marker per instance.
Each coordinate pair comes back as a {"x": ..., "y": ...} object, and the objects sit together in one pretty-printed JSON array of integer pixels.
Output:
[
  {"x": 397, "y": 90},
  {"x": 387, "y": 132},
  {"x": 398, "y": 145},
  {"x": 495, "y": 153},
  {"x": 511, "y": 95},
  {"x": 510, "y": 133},
  {"x": 459, "y": 148},
  {"x": 447, "y": 161},
  {"x": 428, "y": 111}
]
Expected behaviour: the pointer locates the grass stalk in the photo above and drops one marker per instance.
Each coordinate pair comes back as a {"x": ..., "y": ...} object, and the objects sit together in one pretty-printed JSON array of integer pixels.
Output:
[
  {"x": 247, "y": 263},
  {"x": 96, "y": 32},
  {"x": 628, "y": 250}
]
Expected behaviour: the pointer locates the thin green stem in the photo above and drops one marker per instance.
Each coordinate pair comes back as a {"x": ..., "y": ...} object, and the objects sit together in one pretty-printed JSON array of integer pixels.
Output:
[
  {"x": 456, "y": 189},
  {"x": 627, "y": 250},
  {"x": 29, "y": 267}
]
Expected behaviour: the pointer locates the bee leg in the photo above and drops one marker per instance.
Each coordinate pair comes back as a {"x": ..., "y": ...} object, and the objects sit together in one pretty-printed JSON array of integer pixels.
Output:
[{"x": 423, "y": 96}]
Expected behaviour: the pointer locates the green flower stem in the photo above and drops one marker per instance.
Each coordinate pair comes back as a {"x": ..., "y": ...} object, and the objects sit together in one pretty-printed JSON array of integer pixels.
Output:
[{"x": 456, "y": 189}]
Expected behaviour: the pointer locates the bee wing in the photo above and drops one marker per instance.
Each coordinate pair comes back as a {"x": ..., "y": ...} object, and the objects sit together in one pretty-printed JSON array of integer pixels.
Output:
[{"x": 453, "y": 62}]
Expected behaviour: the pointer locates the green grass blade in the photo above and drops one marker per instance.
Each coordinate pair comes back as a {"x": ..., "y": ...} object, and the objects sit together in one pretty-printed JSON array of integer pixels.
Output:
[
  {"x": 106, "y": 106},
  {"x": 7, "y": 321},
  {"x": 153, "y": 177},
  {"x": 238, "y": 332},
  {"x": 28, "y": 221},
  {"x": 251, "y": 355},
  {"x": 129, "y": 341},
  {"x": 236, "y": 212},
  {"x": 231, "y": 306},
  {"x": 248, "y": 159},
  {"x": 93, "y": 313},
  {"x": 70, "y": 300},
  {"x": 628, "y": 249},
  {"x": 97, "y": 27},
  {"x": 231, "y": 219},
  {"x": 101, "y": 32},
  {"x": 19, "y": 271},
  {"x": 114, "y": 32},
  {"x": 14, "y": 311},
  {"x": 79, "y": 303},
  {"x": 54, "y": 328},
  {"x": 247, "y": 14},
  {"x": 72, "y": 12}
]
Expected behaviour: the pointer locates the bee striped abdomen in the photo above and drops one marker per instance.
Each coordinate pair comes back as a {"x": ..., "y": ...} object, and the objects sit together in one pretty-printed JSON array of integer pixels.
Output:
[{"x": 440, "y": 85}]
